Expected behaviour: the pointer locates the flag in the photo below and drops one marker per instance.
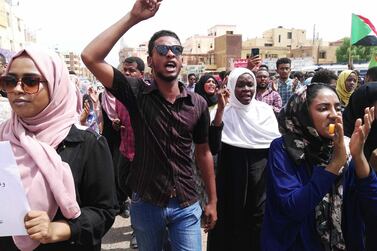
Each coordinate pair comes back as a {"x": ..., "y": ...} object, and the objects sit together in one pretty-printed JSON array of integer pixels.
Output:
[
  {"x": 363, "y": 31},
  {"x": 373, "y": 61}
]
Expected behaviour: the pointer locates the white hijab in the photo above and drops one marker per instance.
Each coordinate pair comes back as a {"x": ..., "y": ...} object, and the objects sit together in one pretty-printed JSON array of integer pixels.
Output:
[{"x": 251, "y": 126}]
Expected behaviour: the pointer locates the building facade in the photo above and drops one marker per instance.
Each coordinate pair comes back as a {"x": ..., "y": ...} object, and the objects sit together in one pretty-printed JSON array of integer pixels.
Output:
[{"x": 12, "y": 29}]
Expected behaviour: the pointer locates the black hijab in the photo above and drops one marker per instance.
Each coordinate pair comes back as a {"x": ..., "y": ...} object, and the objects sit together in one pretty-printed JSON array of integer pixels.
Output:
[
  {"x": 301, "y": 139},
  {"x": 361, "y": 98},
  {"x": 199, "y": 88}
]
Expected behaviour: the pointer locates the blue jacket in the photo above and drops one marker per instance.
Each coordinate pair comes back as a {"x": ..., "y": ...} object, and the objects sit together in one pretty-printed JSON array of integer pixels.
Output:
[{"x": 292, "y": 195}]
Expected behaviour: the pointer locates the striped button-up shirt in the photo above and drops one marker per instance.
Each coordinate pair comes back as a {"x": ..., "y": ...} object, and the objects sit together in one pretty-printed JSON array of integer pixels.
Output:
[{"x": 164, "y": 133}]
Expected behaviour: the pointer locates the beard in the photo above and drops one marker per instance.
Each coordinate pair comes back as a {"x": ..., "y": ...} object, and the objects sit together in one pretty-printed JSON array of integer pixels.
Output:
[
  {"x": 166, "y": 78},
  {"x": 262, "y": 87}
]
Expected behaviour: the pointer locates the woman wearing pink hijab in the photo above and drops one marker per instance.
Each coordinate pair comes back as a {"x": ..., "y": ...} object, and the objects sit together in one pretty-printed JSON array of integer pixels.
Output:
[{"x": 66, "y": 172}]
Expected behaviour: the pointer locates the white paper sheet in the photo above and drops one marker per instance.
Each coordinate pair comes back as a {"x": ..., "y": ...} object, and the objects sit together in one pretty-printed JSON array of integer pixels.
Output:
[{"x": 13, "y": 201}]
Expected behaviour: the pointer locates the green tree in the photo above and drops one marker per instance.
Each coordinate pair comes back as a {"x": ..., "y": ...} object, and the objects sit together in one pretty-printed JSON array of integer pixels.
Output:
[{"x": 360, "y": 54}]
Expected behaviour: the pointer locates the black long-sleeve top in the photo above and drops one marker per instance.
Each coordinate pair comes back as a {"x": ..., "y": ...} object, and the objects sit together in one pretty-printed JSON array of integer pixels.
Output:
[
  {"x": 214, "y": 138},
  {"x": 89, "y": 158}
]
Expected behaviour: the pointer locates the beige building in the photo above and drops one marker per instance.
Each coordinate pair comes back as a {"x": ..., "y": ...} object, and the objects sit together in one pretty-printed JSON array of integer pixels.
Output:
[
  {"x": 73, "y": 63},
  {"x": 141, "y": 51},
  {"x": 12, "y": 29},
  {"x": 321, "y": 52},
  {"x": 198, "y": 44},
  {"x": 227, "y": 49},
  {"x": 201, "y": 50},
  {"x": 220, "y": 30},
  {"x": 281, "y": 42},
  {"x": 276, "y": 42}
]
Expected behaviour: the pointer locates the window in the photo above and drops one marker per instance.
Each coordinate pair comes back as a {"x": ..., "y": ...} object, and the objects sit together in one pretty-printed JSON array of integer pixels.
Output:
[
  {"x": 271, "y": 55},
  {"x": 8, "y": 19},
  {"x": 268, "y": 45},
  {"x": 198, "y": 46},
  {"x": 19, "y": 24},
  {"x": 322, "y": 54},
  {"x": 289, "y": 35},
  {"x": 279, "y": 39},
  {"x": 229, "y": 32},
  {"x": 211, "y": 46}
]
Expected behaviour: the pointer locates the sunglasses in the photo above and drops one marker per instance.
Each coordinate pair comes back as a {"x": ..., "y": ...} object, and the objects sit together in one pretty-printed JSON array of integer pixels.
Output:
[
  {"x": 29, "y": 84},
  {"x": 164, "y": 49}
]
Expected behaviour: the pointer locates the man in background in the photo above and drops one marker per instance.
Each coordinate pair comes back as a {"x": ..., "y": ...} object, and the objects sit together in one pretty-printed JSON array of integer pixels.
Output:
[
  {"x": 191, "y": 82},
  {"x": 265, "y": 93},
  {"x": 325, "y": 76}
]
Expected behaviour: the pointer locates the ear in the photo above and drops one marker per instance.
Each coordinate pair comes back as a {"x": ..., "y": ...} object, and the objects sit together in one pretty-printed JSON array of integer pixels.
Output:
[{"x": 149, "y": 61}]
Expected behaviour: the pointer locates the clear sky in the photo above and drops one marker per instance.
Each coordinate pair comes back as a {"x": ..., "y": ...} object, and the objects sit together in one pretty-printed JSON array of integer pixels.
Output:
[{"x": 70, "y": 24}]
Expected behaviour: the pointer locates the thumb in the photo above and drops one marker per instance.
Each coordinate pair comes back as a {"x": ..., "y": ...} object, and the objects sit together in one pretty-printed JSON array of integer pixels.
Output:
[{"x": 357, "y": 125}]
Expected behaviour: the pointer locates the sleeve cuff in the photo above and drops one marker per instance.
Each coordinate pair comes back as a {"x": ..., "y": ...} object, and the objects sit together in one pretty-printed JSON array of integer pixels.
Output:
[
  {"x": 217, "y": 127},
  {"x": 73, "y": 224},
  {"x": 367, "y": 180}
]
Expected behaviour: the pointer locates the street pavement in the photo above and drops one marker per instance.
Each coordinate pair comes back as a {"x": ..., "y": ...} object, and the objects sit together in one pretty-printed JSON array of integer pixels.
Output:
[{"x": 119, "y": 236}]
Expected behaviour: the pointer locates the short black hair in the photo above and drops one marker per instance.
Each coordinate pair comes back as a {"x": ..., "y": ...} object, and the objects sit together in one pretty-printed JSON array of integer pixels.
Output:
[
  {"x": 139, "y": 62},
  {"x": 224, "y": 74},
  {"x": 298, "y": 74},
  {"x": 372, "y": 74},
  {"x": 157, "y": 35},
  {"x": 324, "y": 76},
  {"x": 282, "y": 61},
  {"x": 264, "y": 66},
  {"x": 314, "y": 88},
  {"x": 191, "y": 74}
]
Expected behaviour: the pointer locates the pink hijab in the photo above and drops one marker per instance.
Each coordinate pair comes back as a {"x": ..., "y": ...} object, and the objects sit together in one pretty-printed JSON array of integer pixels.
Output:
[
  {"x": 109, "y": 105},
  {"x": 47, "y": 180}
]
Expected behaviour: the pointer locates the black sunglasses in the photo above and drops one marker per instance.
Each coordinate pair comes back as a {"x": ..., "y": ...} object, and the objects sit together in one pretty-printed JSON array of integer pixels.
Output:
[
  {"x": 164, "y": 49},
  {"x": 29, "y": 84}
]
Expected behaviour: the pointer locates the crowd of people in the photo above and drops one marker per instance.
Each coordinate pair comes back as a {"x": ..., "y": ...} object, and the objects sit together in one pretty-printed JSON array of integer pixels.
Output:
[{"x": 260, "y": 160}]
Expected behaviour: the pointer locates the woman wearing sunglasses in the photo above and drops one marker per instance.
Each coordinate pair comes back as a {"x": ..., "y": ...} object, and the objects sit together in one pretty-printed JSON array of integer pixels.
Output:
[
  {"x": 316, "y": 200},
  {"x": 66, "y": 172}
]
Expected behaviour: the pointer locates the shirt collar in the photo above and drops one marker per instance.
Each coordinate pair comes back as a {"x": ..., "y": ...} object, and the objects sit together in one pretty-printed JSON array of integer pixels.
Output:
[
  {"x": 286, "y": 81},
  {"x": 182, "y": 89}
]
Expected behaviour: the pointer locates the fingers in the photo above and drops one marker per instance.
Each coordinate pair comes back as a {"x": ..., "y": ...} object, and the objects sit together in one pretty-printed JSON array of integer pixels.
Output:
[
  {"x": 209, "y": 223},
  {"x": 367, "y": 124},
  {"x": 338, "y": 134},
  {"x": 33, "y": 218},
  {"x": 371, "y": 114},
  {"x": 153, "y": 5},
  {"x": 37, "y": 225},
  {"x": 358, "y": 124}
]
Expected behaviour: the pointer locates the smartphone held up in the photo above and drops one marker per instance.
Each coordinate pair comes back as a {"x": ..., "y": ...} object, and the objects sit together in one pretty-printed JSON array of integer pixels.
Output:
[{"x": 254, "y": 52}]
